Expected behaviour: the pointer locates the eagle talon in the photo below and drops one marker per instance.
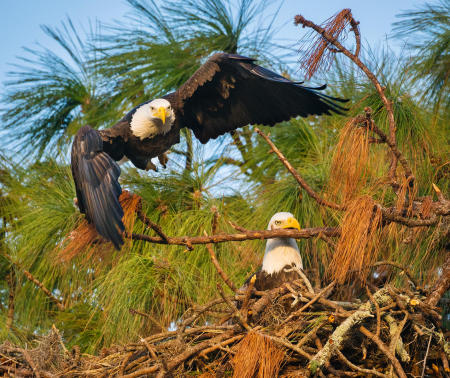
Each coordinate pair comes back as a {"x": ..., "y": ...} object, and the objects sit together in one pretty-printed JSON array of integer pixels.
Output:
[{"x": 151, "y": 166}]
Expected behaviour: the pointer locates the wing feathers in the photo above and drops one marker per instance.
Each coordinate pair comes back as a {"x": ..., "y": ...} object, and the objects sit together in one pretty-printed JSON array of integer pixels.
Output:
[
  {"x": 230, "y": 91},
  {"x": 96, "y": 177}
]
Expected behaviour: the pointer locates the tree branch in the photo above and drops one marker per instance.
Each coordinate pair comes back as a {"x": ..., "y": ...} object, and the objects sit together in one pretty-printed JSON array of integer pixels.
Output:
[
  {"x": 304, "y": 233},
  {"x": 387, "y": 103},
  {"x": 297, "y": 176}
]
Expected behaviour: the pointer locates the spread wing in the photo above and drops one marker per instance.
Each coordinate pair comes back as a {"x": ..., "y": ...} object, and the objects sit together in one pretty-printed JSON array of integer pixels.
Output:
[
  {"x": 231, "y": 91},
  {"x": 96, "y": 177}
]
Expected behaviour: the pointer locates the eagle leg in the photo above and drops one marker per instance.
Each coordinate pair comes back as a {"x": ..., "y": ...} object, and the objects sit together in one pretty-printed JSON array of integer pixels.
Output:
[{"x": 163, "y": 159}]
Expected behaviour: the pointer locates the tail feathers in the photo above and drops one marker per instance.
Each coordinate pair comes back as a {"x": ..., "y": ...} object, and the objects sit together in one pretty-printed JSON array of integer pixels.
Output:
[{"x": 96, "y": 177}]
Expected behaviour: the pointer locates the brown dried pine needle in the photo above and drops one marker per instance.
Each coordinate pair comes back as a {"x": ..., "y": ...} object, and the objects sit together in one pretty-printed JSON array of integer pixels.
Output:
[
  {"x": 349, "y": 168},
  {"x": 357, "y": 248},
  {"x": 85, "y": 238},
  {"x": 257, "y": 356},
  {"x": 318, "y": 52}
]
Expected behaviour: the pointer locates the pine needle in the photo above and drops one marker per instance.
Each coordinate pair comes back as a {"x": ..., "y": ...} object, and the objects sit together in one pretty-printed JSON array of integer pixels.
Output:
[
  {"x": 357, "y": 248},
  {"x": 349, "y": 168}
]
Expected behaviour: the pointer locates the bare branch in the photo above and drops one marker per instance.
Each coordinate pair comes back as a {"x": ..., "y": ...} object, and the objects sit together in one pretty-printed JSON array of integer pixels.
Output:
[
  {"x": 219, "y": 269},
  {"x": 297, "y": 176},
  {"x": 387, "y": 103},
  {"x": 304, "y": 233},
  {"x": 385, "y": 350}
]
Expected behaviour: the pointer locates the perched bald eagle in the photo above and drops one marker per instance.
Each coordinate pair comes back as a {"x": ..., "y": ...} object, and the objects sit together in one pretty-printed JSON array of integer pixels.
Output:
[
  {"x": 280, "y": 256},
  {"x": 227, "y": 92}
]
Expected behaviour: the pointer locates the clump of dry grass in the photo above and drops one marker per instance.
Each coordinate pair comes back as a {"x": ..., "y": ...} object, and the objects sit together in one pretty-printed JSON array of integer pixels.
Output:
[
  {"x": 357, "y": 248},
  {"x": 349, "y": 168},
  {"x": 85, "y": 238},
  {"x": 257, "y": 356},
  {"x": 318, "y": 53}
]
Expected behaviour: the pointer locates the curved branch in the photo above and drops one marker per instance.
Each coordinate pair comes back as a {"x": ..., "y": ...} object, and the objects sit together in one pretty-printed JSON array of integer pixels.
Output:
[
  {"x": 297, "y": 176},
  {"x": 387, "y": 103}
]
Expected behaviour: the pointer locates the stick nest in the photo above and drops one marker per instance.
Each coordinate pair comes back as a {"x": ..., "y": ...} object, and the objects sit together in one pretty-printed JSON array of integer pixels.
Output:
[{"x": 290, "y": 331}]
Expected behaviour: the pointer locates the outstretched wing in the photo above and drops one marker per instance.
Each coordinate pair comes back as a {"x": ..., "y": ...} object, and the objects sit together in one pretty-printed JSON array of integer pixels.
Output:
[
  {"x": 96, "y": 177},
  {"x": 231, "y": 91}
]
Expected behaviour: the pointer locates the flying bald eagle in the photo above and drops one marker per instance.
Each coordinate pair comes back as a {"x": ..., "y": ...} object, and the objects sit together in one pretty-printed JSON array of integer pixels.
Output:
[
  {"x": 280, "y": 256},
  {"x": 227, "y": 92}
]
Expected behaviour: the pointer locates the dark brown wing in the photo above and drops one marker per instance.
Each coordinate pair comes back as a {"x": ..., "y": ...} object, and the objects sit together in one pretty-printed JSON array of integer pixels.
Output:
[
  {"x": 231, "y": 91},
  {"x": 96, "y": 176}
]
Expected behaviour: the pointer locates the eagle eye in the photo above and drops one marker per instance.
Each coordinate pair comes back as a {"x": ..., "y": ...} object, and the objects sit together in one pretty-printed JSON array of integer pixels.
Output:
[{"x": 277, "y": 223}]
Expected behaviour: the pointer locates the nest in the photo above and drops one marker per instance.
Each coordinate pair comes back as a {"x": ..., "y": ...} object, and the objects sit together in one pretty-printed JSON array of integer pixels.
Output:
[{"x": 291, "y": 331}]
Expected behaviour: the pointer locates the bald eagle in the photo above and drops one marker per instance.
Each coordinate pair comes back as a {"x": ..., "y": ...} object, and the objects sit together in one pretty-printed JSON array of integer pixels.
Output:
[
  {"x": 280, "y": 256},
  {"x": 227, "y": 92}
]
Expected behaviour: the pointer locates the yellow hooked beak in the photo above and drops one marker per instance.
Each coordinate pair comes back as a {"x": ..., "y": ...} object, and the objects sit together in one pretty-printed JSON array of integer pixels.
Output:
[
  {"x": 291, "y": 223},
  {"x": 161, "y": 113}
]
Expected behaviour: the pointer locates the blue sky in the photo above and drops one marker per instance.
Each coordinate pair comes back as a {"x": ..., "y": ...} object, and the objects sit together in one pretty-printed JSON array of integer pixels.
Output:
[{"x": 20, "y": 20}]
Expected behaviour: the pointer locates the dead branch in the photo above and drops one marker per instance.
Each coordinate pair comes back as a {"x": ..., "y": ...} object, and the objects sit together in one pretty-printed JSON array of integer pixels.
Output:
[
  {"x": 385, "y": 350},
  {"x": 341, "y": 333},
  {"x": 248, "y": 293},
  {"x": 38, "y": 283},
  {"x": 395, "y": 330},
  {"x": 302, "y": 276},
  {"x": 304, "y": 233},
  {"x": 357, "y": 368},
  {"x": 297, "y": 176},
  {"x": 387, "y": 103},
  {"x": 149, "y": 223},
  {"x": 219, "y": 269},
  {"x": 215, "y": 220},
  {"x": 234, "y": 309},
  {"x": 441, "y": 285},
  {"x": 377, "y": 309},
  {"x": 312, "y": 301}
]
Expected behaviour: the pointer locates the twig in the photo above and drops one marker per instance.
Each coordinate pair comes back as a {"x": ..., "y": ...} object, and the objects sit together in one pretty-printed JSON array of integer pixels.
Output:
[
  {"x": 268, "y": 297},
  {"x": 311, "y": 302},
  {"x": 340, "y": 334},
  {"x": 174, "y": 362},
  {"x": 377, "y": 308},
  {"x": 233, "y": 308},
  {"x": 38, "y": 283},
  {"x": 396, "y": 344},
  {"x": 302, "y": 276},
  {"x": 248, "y": 293},
  {"x": 219, "y": 269},
  {"x": 142, "y": 372},
  {"x": 155, "y": 227},
  {"x": 204, "y": 352},
  {"x": 215, "y": 220},
  {"x": 385, "y": 350},
  {"x": 441, "y": 285},
  {"x": 31, "y": 363},
  {"x": 297, "y": 176},
  {"x": 387, "y": 103},
  {"x": 426, "y": 355},
  {"x": 237, "y": 227},
  {"x": 145, "y": 315},
  {"x": 398, "y": 266},
  {"x": 289, "y": 345},
  {"x": 357, "y": 368},
  {"x": 123, "y": 365}
]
